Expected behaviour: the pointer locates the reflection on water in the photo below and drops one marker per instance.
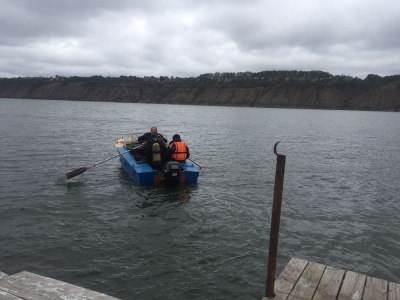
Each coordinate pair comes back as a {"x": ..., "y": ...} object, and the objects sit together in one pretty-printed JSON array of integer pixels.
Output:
[
  {"x": 203, "y": 241},
  {"x": 160, "y": 195},
  {"x": 73, "y": 185},
  {"x": 155, "y": 195}
]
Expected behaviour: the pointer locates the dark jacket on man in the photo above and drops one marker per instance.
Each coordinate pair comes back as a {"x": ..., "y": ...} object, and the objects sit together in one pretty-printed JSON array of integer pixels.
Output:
[{"x": 148, "y": 135}]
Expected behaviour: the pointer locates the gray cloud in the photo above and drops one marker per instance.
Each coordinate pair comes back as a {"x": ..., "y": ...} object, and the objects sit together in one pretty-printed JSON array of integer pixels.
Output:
[{"x": 188, "y": 38}]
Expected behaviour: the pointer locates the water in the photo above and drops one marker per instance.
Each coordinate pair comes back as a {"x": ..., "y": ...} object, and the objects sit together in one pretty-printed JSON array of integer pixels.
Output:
[{"x": 205, "y": 241}]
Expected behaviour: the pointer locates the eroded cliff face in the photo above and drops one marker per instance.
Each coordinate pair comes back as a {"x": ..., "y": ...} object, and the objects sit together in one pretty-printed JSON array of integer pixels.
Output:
[{"x": 385, "y": 97}]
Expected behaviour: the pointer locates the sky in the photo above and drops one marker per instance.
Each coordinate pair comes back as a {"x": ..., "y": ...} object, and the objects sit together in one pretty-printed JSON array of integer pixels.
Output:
[{"x": 188, "y": 38}]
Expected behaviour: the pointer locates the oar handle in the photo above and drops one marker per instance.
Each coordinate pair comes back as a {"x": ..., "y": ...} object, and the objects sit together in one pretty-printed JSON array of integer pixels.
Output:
[
  {"x": 107, "y": 159},
  {"x": 81, "y": 170},
  {"x": 195, "y": 163},
  {"x": 113, "y": 157}
]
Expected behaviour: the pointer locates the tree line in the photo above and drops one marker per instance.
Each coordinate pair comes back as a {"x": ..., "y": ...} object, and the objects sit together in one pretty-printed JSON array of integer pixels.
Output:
[{"x": 234, "y": 79}]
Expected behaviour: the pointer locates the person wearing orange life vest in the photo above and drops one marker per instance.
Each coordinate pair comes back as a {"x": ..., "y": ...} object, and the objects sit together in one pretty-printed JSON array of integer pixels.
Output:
[{"x": 178, "y": 150}]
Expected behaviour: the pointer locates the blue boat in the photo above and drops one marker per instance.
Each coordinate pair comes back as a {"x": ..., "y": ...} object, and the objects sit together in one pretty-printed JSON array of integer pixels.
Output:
[{"x": 134, "y": 163}]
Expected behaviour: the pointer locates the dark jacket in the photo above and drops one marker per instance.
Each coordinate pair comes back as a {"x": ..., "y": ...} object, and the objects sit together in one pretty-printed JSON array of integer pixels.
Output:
[{"x": 147, "y": 137}]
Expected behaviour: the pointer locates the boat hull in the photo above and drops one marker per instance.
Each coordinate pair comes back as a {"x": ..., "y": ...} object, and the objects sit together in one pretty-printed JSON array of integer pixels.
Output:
[{"x": 144, "y": 174}]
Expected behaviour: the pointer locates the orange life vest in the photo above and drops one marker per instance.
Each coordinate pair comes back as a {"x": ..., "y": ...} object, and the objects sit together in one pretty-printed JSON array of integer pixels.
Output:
[{"x": 180, "y": 151}]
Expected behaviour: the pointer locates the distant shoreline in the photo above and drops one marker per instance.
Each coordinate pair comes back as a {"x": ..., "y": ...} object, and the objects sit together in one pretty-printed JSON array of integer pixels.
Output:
[{"x": 274, "y": 89}]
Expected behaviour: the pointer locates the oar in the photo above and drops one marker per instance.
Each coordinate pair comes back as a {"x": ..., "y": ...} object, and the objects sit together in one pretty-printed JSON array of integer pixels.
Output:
[
  {"x": 81, "y": 170},
  {"x": 194, "y": 163}
]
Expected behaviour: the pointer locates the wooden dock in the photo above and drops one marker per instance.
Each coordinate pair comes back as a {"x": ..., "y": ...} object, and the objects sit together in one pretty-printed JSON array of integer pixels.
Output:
[
  {"x": 306, "y": 280},
  {"x": 300, "y": 280},
  {"x": 29, "y": 286}
]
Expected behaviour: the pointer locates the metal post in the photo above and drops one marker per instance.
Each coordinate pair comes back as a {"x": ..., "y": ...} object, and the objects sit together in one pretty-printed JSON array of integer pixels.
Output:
[{"x": 275, "y": 220}]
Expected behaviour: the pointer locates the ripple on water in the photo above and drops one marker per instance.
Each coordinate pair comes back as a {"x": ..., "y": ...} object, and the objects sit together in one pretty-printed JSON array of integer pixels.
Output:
[{"x": 204, "y": 241}]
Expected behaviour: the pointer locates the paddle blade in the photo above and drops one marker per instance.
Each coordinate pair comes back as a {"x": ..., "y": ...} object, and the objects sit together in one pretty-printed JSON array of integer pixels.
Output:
[{"x": 76, "y": 172}]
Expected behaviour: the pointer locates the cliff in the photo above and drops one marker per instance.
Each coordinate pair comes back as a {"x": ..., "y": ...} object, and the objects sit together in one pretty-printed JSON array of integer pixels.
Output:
[{"x": 266, "y": 89}]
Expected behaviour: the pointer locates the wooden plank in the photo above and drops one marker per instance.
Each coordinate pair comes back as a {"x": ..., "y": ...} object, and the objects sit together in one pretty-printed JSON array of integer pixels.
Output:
[
  {"x": 2, "y": 275},
  {"x": 329, "y": 285},
  {"x": 288, "y": 278},
  {"x": 352, "y": 286},
  {"x": 394, "y": 291},
  {"x": 30, "y": 286},
  {"x": 7, "y": 296},
  {"x": 308, "y": 281},
  {"x": 4, "y": 295},
  {"x": 375, "y": 289}
]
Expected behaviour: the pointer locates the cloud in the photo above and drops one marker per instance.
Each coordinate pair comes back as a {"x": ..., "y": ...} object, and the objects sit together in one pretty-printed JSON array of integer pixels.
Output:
[{"x": 189, "y": 38}]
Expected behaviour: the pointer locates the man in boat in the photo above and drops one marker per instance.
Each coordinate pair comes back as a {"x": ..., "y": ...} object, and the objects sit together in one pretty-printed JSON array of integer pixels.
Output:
[
  {"x": 155, "y": 149},
  {"x": 178, "y": 150},
  {"x": 148, "y": 135}
]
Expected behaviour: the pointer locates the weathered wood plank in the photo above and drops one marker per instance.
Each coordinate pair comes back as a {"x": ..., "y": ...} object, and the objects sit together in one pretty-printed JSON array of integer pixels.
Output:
[
  {"x": 329, "y": 285},
  {"x": 33, "y": 287},
  {"x": 288, "y": 278},
  {"x": 2, "y": 275},
  {"x": 7, "y": 296},
  {"x": 352, "y": 286},
  {"x": 308, "y": 281},
  {"x": 394, "y": 291},
  {"x": 375, "y": 289},
  {"x": 4, "y": 295}
]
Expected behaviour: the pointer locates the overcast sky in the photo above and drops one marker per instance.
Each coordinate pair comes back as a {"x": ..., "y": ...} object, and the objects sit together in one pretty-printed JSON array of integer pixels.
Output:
[{"x": 187, "y": 38}]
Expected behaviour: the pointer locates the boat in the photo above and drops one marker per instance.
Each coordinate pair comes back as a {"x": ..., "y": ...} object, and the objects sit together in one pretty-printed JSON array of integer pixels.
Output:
[{"x": 133, "y": 160}]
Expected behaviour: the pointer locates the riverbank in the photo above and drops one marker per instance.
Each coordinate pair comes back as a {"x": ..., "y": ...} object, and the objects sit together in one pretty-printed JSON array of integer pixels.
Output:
[{"x": 278, "y": 91}]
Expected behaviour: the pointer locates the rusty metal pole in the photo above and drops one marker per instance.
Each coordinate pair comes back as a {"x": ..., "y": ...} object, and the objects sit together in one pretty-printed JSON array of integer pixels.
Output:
[{"x": 275, "y": 220}]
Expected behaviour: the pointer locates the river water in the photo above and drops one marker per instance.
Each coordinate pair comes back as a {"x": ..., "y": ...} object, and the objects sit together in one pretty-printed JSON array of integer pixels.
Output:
[{"x": 101, "y": 231}]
